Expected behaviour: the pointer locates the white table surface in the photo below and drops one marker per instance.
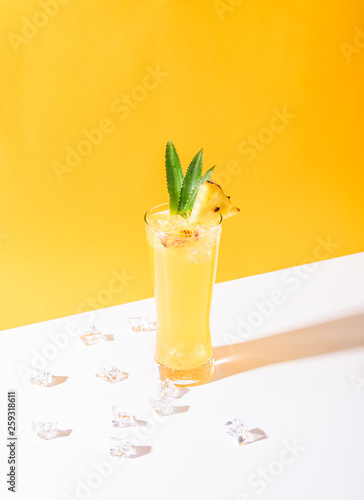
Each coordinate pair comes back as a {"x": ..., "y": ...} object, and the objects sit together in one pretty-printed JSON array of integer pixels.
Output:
[{"x": 298, "y": 378}]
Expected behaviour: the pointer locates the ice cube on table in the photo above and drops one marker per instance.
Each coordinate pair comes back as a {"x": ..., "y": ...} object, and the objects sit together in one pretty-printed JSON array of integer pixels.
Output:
[
  {"x": 45, "y": 430},
  {"x": 110, "y": 373},
  {"x": 238, "y": 430},
  {"x": 142, "y": 323},
  {"x": 40, "y": 377},
  {"x": 92, "y": 336},
  {"x": 162, "y": 405},
  {"x": 121, "y": 448},
  {"x": 167, "y": 388},
  {"x": 122, "y": 418}
]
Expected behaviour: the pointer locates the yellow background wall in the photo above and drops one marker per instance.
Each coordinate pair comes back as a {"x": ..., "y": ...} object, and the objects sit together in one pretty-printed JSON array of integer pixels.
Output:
[{"x": 71, "y": 231}]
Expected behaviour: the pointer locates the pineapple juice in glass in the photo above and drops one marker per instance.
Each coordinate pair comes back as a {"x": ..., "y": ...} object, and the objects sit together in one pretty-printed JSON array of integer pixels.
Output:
[
  {"x": 184, "y": 275},
  {"x": 183, "y": 240}
]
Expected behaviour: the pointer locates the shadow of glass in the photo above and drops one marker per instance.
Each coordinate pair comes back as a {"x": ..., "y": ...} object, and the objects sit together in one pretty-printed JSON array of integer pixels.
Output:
[
  {"x": 325, "y": 338},
  {"x": 109, "y": 337}
]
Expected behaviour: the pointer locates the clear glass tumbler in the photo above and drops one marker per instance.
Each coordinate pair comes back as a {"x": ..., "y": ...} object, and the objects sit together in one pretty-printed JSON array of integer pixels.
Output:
[{"x": 184, "y": 269}]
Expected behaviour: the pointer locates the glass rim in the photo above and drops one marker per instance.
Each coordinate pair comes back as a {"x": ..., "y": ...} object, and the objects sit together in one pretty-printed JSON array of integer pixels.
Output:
[{"x": 166, "y": 205}]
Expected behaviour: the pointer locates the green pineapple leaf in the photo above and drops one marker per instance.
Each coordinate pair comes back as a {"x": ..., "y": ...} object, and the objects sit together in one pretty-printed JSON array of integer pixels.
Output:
[
  {"x": 191, "y": 180},
  {"x": 207, "y": 176},
  {"x": 192, "y": 198},
  {"x": 174, "y": 177}
]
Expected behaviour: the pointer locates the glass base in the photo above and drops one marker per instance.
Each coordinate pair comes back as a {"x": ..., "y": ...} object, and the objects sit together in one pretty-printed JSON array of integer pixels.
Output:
[{"x": 186, "y": 377}]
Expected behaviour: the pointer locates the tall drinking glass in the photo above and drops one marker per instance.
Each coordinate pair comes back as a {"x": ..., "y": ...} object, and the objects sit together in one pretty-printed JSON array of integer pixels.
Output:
[{"x": 184, "y": 268}]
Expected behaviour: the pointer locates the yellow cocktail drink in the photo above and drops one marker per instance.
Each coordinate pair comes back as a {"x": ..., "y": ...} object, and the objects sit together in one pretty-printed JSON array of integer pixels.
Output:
[
  {"x": 183, "y": 238},
  {"x": 184, "y": 262}
]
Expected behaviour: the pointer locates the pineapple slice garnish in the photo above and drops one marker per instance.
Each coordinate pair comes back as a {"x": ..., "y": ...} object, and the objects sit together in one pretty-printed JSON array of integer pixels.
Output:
[{"x": 211, "y": 201}]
